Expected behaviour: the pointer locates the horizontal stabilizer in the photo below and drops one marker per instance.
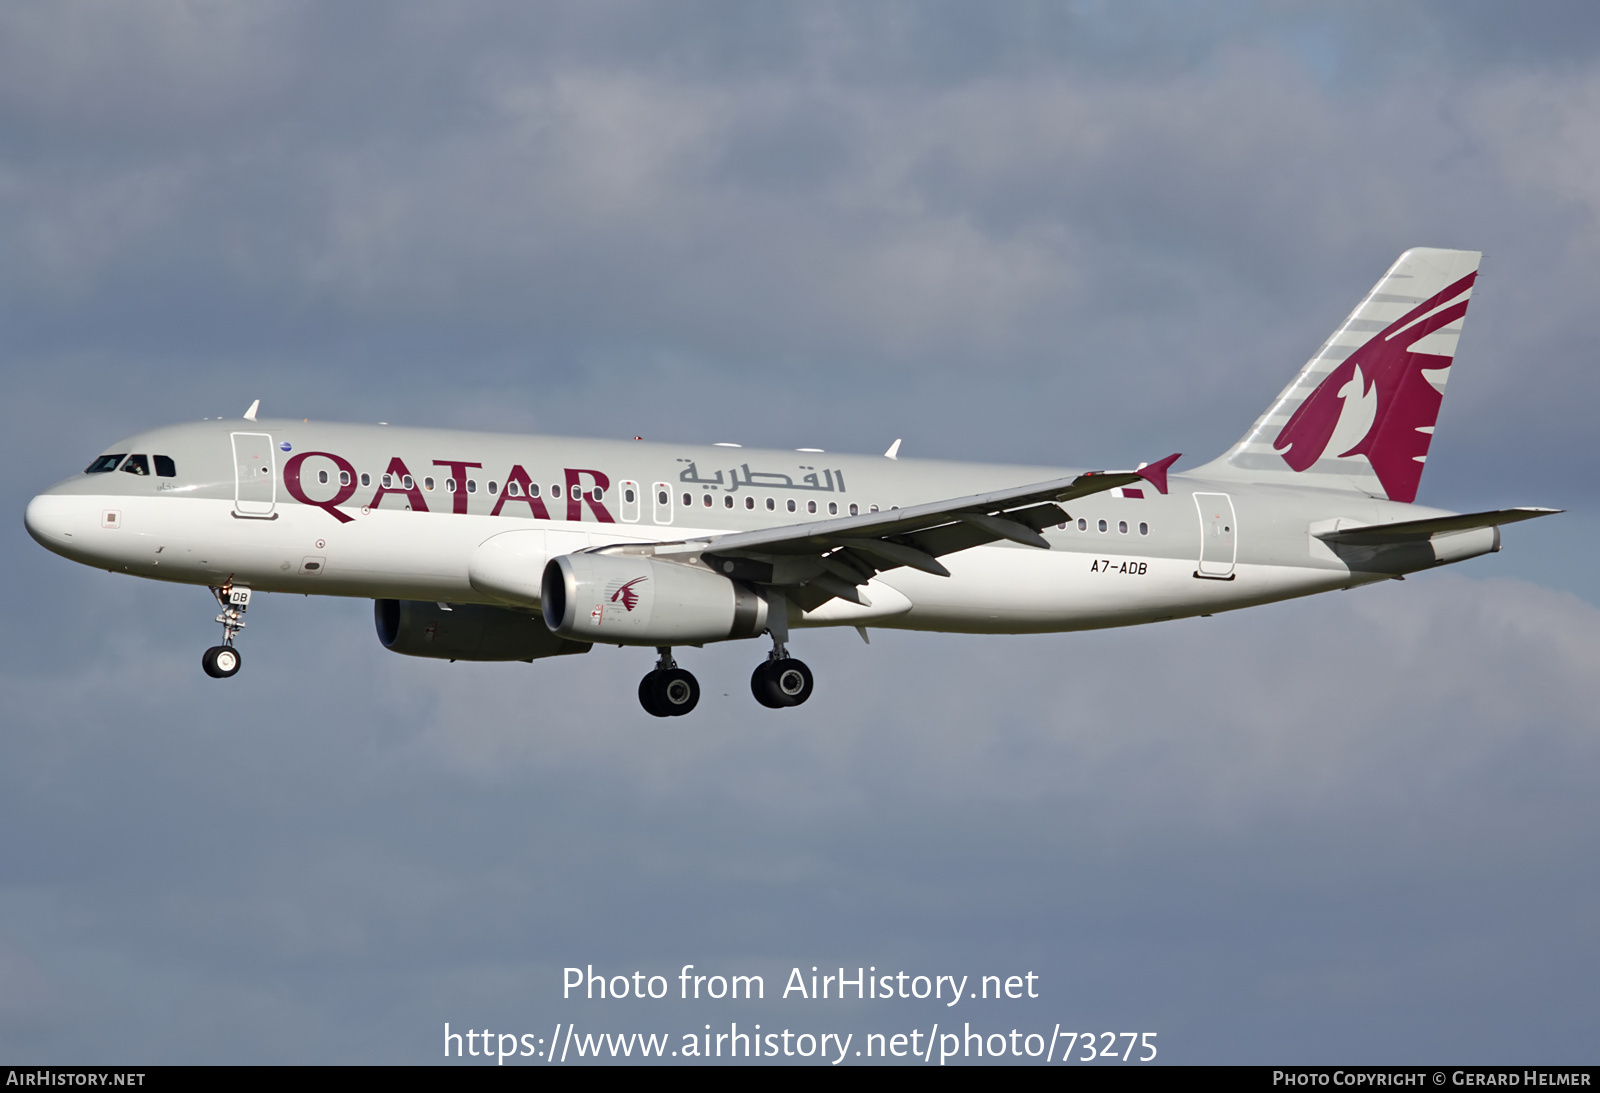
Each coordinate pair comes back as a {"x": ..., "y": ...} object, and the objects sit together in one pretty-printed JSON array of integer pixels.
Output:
[{"x": 1408, "y": 531}]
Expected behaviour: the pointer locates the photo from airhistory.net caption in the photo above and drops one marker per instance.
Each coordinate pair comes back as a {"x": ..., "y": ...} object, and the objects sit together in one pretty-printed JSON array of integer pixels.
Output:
[{"x": 785, "y": 1022}]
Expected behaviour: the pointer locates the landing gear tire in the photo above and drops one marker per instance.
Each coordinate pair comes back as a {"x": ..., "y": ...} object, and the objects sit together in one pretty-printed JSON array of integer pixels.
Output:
[
  {"x": 780, "y": 683},
  {"x": 647, "y": 696},
  {"x": 669, "y": 692},
  {"x": 221, "y": 661}
]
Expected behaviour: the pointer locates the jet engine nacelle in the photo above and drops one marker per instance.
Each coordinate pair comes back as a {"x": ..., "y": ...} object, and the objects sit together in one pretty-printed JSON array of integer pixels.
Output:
[
  {"x": 634, "y": 599},
  {"x": 467, "y": 631}
]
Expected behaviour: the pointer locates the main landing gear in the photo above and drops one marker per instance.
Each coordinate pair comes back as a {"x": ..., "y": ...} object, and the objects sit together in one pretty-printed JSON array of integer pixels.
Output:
[
  {"x": 669, "y": 691},
  {"x": 222, "y": 661},
  {"x": 781, "y": 680}
]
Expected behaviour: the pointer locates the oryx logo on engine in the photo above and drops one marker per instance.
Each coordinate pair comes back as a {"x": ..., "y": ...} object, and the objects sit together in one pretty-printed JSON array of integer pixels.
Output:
[{"x": 622, "y": 592}]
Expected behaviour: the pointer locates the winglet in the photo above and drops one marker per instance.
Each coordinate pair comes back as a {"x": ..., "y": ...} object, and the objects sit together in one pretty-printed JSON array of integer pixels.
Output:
[
  {"x": 894, "y": 450},
  {"x": 250, "y": 414},
  {"x": 1156, "y": 473}
]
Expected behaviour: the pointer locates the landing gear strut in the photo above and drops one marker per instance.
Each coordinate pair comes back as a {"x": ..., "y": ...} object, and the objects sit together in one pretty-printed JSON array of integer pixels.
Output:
[
  {"x": 222, "y": 661},
  {"x": 669, "y": 691}
]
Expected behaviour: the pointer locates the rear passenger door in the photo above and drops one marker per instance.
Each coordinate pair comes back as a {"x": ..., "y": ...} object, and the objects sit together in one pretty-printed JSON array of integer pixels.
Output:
[{"x": 1219, "y": 539}]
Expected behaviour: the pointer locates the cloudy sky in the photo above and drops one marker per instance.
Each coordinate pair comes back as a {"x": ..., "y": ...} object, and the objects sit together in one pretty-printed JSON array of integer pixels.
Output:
[{"x": 1357, "y": 828}]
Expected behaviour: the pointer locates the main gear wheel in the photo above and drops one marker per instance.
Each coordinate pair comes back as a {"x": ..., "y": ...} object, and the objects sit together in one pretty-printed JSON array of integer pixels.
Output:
[{"x": 780, "y": 683}]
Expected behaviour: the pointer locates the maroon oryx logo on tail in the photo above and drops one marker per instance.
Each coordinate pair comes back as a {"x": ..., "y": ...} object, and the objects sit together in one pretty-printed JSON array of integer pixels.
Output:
[
  {"x": 1378, "y": 403},
  {"x": 625, "y": 594}
]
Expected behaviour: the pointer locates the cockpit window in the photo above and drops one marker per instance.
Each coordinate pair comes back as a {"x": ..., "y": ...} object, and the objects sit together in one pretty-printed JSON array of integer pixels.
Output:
[
  {"x": 165, "y": 468},
  {"x": 137, "y": 464},
  {"x": 104, "y": 463}
]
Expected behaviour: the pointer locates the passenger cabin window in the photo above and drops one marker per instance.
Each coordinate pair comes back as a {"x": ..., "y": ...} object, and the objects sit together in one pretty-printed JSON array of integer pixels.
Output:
[
  {"x": 427, "y": 483},
  {"x": 322, "y": 477},
  {"x": 855, "y": 509},
  {"x": 405, "y": 480},
  {"x": 555, "y": 491},
  {"x": 494, "y": 487},
  {"x": 104, "y": 463},
  {"x": 137, "y": 464},
  {"x": 388, "y": 480},
  {"x": 533, "y": 489},
  {"x": 1102, "y": 525},
  {"x": 366, "y": 480},
  {"x": 165, "y": 467},
  {"x": 1083, "y": 525},
  {"x": 1144, "y": 529},
  {"x": 514, "y": 489},
  {"x": 833, "y": 508},
  {"x": 661, "y": 498},
  {"x": 344, "y": 477},
  {"x": 727, "y": 501},
  {"x": 791, "y": 504},
  {"x": 749, "y": 502},
  {"x": 687, "y": 499},
  {"x": 472, "y": 485},
  {"x": 449, "y": 485},
  {"x": 708, "y": 500},
  {"x": 1122, "y": 526},
  {"x": 771, "y": 504},
  {"x": 811, "y": 506}
]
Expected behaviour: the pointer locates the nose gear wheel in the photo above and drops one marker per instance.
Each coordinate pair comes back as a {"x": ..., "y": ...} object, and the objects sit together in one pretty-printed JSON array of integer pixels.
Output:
[{"x": 220, "y": 661}]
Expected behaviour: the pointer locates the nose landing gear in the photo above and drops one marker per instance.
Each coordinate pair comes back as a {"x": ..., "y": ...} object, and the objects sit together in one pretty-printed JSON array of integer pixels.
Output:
[
  {"x": 669, "y": 691},
  {"x": 222, "y": 661}
]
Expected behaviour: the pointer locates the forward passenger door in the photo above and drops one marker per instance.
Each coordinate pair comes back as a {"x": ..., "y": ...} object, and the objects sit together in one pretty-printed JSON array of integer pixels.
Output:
[{"x": 255, "y": 479}]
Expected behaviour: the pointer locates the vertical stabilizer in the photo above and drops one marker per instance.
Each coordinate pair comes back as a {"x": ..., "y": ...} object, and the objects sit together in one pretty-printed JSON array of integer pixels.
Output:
[{"x": 1360, "y": 414}]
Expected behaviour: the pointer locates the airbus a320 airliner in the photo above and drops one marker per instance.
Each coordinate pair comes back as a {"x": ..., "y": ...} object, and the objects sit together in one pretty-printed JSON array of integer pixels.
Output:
[{"x": 478, "y": 546}]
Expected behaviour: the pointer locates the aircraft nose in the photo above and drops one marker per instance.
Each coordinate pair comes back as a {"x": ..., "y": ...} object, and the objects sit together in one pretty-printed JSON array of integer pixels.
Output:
[{"x": 51, "y": 520}]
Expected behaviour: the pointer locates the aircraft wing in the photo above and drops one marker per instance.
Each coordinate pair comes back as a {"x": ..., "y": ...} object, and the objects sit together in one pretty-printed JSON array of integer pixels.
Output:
[
  {"x": 816, "y": 561},
  {"x": 1418, "y": 530}
]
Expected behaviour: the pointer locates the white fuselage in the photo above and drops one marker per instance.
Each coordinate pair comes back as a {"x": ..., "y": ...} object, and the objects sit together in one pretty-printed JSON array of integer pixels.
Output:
[{"x": 392, "y": 513}]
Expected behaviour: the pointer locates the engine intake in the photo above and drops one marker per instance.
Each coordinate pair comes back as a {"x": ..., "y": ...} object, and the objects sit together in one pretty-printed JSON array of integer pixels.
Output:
[
  {"x": 468, "y": 631},
  {"x": 632, "y": 599}
]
